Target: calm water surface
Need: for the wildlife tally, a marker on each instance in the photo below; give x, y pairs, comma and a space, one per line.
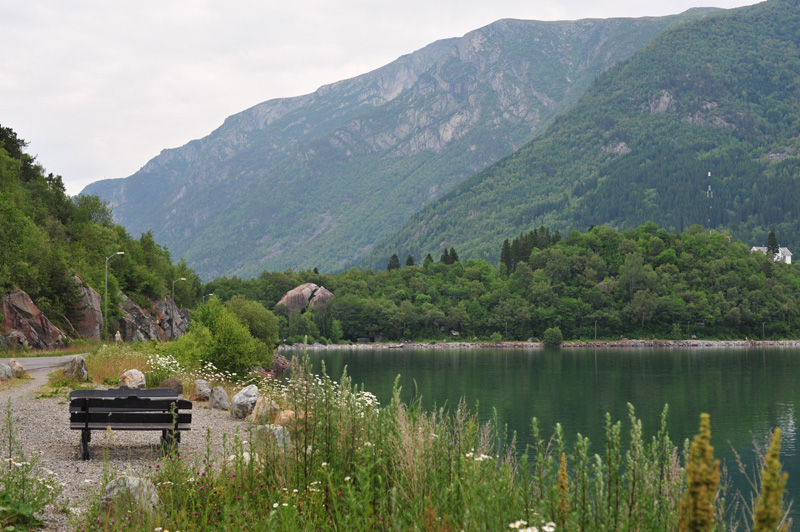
747, 392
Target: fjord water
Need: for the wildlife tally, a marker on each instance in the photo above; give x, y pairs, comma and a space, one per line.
747, 392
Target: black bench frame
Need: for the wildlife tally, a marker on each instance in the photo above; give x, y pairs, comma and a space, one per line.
129, 409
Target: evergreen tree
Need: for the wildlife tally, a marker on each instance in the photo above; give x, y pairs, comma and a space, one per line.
445, 258
505, 255
453, 256
428, 261
394, 262
410, 260
772, 245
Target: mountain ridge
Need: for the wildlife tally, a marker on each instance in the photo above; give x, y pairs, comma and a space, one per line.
714, 96
317, 180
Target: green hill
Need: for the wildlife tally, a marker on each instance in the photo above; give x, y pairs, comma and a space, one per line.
713, 102
46, 239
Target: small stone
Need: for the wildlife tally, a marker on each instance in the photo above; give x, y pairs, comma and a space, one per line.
285, 417
265, 411
173, 384
134, 489
5, 372
201, 391
218, 399
17, 369
244, 401
133, 378
77, 369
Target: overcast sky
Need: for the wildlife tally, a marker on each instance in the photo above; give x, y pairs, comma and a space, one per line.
100, 87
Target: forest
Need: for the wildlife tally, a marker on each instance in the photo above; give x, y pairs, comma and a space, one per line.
604, 283
48, 238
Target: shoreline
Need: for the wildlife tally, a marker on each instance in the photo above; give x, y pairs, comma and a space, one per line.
595, 344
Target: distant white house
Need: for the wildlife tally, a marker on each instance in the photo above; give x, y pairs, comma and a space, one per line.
783, 254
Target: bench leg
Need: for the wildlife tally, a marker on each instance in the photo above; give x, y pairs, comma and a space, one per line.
170, 439
86, 436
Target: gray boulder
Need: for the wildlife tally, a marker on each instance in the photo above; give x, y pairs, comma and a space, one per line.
133, 378
5, 372
218, 400
134, 489
77, 369
281, 435
244, 402
201, 391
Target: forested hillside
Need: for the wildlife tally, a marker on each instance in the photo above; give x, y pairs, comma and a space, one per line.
46, 239
712, 103
318, 180
643, 282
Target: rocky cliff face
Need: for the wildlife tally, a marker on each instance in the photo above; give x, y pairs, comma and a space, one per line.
90, 309
24, 325
318, 180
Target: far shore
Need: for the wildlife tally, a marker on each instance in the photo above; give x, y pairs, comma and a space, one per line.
594, 344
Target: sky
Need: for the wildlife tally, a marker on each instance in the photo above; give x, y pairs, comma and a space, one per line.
98, 88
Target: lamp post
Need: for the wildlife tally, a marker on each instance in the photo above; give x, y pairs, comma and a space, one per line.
205, 296
105, 314
173, 287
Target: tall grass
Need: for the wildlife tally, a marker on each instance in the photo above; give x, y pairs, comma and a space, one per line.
356, 465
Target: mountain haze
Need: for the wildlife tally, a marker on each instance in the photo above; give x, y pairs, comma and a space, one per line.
318, 180
718, 96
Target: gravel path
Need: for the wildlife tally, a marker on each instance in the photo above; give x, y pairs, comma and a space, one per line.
42, 426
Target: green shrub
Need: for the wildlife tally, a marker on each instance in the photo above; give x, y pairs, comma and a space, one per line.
552, 337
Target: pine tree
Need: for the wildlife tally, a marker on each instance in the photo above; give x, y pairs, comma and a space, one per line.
505, 255
410, 260
772, 245
453, 256
445, 258
394, 262
428, 261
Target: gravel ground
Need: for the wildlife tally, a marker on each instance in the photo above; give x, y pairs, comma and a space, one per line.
42, 426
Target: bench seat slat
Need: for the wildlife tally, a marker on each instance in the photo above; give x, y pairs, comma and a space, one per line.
129, 417
129, 426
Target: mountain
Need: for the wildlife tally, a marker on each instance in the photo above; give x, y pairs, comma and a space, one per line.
318, 180
701, 126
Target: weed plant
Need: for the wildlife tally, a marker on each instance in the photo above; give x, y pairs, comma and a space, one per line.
353, 464
26, 488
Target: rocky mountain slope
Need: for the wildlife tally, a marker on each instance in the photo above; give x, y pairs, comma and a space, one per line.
699, 127
318, 180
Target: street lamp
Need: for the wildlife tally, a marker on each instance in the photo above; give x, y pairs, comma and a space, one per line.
205, 296
173, 287
105, 316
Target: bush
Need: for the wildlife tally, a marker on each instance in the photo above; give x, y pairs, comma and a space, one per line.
552, 337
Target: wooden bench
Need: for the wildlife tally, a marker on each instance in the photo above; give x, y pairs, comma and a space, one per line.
129, 409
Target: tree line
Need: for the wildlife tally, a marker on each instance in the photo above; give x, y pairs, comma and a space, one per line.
603, 283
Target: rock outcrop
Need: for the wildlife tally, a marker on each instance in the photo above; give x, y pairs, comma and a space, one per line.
137, 324
89, 320
24, 324
305, 296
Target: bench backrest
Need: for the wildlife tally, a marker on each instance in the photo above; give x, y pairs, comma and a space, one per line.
123, 391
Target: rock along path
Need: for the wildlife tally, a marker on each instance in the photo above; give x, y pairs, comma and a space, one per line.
42, 427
